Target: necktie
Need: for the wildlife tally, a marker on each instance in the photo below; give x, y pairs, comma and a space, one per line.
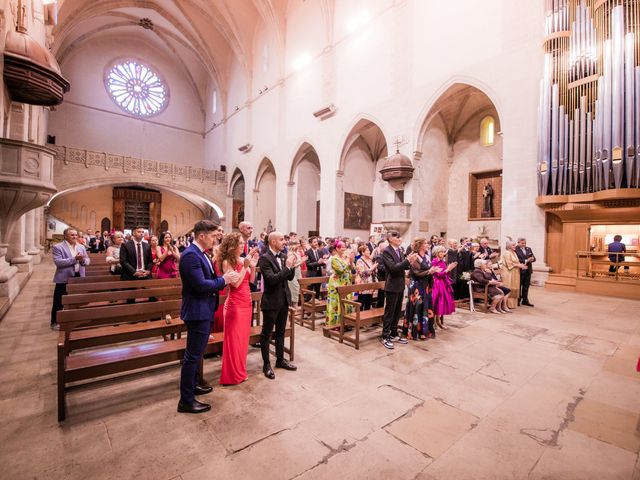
139, 252
398, 253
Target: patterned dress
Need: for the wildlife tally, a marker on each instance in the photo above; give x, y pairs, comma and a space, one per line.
419, 311
340, 276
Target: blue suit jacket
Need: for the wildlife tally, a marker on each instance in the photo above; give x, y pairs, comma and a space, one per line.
200, 286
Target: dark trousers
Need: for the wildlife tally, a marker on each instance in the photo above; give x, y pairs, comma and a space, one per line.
197, 338
58, 292
271, 319
525, 281
392, 312
365, 300
380, 300
612, 268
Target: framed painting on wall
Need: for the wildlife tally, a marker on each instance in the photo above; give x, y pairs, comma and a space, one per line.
358, 211
238, 213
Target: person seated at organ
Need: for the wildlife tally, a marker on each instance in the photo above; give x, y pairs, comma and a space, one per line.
483, 275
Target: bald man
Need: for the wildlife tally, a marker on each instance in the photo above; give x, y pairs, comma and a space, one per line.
277, 269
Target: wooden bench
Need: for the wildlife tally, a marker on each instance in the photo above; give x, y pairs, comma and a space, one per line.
88, 287
313, 305
474, 295
89, 364
105, 298
104, 277
351, 315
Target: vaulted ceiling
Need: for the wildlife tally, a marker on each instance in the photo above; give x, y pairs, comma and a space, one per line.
206, 37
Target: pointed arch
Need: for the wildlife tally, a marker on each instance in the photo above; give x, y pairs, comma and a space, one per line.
304, 152
367, 130
265, 167
430, 109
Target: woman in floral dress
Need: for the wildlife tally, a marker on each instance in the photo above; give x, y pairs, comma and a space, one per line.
341, 268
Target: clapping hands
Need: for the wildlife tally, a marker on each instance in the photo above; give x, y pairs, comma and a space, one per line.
231, 277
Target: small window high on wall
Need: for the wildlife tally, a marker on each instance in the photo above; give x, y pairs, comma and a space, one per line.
487, 131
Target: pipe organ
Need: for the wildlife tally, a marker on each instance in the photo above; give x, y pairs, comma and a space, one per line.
589, 112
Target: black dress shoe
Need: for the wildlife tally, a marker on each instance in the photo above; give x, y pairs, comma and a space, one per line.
286, 365
526, 302
268, 372
203, 389
193, 407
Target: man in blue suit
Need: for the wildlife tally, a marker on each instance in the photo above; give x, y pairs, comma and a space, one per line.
200, 287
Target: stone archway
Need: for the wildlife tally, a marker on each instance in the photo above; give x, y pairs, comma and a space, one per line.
265, 197
358, 179
304, 191
455, 164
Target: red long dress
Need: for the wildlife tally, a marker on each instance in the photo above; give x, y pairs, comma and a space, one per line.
237, 330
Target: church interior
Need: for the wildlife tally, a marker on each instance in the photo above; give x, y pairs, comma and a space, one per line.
354, 122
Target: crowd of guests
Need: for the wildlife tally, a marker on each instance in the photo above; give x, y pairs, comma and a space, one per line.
421, 282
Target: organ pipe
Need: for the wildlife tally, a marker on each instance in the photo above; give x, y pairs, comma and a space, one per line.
589, 111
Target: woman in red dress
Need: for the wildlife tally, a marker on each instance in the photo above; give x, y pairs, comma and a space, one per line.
237, 308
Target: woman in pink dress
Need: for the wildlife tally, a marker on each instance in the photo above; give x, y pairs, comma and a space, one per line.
237, 308
167, 256
442, 293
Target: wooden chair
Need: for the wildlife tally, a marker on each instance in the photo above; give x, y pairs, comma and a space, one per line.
352, 316
474, 295
309, 308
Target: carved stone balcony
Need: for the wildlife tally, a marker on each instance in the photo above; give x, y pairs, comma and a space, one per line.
397, 216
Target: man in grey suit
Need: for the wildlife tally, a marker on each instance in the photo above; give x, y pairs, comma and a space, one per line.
70, 258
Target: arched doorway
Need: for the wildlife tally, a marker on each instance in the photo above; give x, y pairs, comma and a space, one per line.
461, 145
237, 187
265, 197
105, 225
304, 180
361, 192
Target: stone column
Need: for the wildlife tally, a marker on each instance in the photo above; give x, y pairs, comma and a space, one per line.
31, 241
17, 252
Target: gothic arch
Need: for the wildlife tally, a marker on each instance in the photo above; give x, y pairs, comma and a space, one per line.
366, 130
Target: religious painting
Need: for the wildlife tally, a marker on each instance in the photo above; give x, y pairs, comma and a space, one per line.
238, 213
358, 211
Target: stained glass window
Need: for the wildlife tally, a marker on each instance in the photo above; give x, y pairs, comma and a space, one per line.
137, 88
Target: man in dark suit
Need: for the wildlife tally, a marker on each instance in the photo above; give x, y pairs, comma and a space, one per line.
315, 262
276, 270
526, 257
200, 287
395, 265
135, 257
371, 244
486, 251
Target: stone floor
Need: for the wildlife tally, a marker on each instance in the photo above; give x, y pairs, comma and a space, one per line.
546, 393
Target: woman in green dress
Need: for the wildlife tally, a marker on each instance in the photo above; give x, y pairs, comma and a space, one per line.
342, 266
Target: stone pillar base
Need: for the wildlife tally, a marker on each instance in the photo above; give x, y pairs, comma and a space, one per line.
36, 256
540, 274
9, 283
24, 263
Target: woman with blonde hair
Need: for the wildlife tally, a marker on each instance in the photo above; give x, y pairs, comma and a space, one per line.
510, 272
365, 273
237, 308
419, 311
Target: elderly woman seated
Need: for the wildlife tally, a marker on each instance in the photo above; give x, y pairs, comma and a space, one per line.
483, 275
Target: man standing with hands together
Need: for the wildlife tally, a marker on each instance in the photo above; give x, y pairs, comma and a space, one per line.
395, 265
276, 271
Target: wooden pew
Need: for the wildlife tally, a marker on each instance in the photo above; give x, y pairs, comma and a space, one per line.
74, 366
105, 277
107, 298
117, 284
313, 305
354, 317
